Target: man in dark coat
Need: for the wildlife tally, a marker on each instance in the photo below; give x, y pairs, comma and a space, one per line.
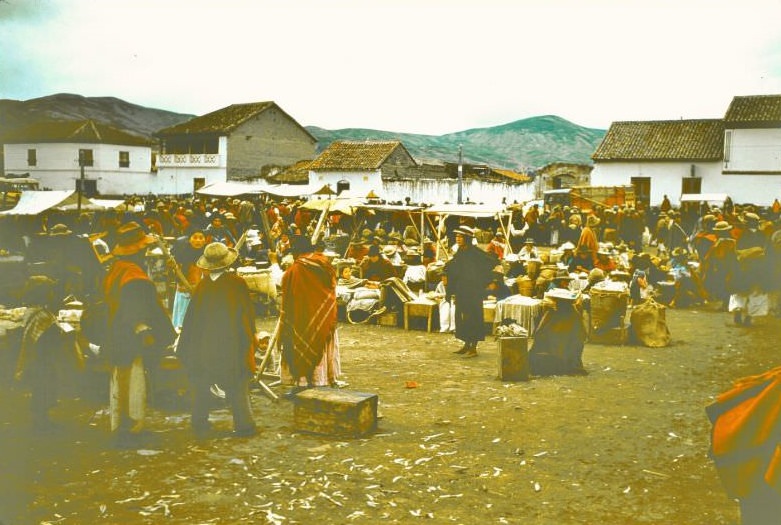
468, 275
217, 344
138, 328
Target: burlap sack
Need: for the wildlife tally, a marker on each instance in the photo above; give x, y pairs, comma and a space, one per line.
649, 324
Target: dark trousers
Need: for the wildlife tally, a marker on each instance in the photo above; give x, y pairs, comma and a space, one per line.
237, 396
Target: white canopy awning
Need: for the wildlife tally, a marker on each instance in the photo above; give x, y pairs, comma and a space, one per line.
35, 202
465, 210
228, 189
703, 197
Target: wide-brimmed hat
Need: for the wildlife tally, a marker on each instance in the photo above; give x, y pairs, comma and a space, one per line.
38, 288
722, 226
59, 229
131, 238
464, 230
596, 275
388, 250
216, 256
567, 246
592, 220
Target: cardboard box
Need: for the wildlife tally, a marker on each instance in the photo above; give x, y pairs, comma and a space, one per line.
335, 412
513, 358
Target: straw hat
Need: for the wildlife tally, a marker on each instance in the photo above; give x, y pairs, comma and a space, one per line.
216, 256
131, 239
722, 226
388, 250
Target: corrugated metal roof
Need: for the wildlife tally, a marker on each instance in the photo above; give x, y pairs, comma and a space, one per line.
81, 132
666, 140
351, 155
757, 108
223, 120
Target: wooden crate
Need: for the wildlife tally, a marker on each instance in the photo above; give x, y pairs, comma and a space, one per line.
513, 358
388, 319
334, 412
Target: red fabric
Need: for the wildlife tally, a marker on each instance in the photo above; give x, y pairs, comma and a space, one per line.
308, 313
120, 273
745, 437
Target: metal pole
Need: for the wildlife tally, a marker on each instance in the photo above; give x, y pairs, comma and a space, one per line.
80, 185
460, 173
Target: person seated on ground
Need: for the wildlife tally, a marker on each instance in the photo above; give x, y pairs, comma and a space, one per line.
415, 273
562, 279
393, 254
376, 268
639, 288
582, 260
567, 253
497, 288
528, 251
497, 245
605, 261
687, 292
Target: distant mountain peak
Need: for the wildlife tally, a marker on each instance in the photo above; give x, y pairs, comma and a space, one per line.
518, 145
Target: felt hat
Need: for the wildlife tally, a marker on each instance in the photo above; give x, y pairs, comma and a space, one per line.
722, 226
37, 289
562, 275
464, 230
216, 256
592, 220
388, 250
567, 246
596, 275
59, 229
131, 239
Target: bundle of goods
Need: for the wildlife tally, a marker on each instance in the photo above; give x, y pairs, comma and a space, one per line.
609, 300
649, 324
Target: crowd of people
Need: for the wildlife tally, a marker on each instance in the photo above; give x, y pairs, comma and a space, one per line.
205, 311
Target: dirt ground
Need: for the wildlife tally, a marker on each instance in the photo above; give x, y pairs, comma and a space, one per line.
628, 443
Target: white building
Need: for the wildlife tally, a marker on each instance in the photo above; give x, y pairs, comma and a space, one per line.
238, 142
739, 155
114, 162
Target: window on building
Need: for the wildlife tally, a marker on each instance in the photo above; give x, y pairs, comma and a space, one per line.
727, 145
32, 157
85, 157
124, 159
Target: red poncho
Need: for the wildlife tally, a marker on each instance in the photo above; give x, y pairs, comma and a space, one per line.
308, 313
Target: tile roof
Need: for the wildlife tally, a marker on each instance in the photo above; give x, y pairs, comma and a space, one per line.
758, 108
81, 132
223, 120
519, 177
666, 140
298, 173
354, 155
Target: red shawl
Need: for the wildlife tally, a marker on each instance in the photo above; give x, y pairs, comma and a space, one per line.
308, 313
747, 433
120, 273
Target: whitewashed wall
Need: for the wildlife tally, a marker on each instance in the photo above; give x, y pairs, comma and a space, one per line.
666, 180
361, 182
437, 191
753, 150
57, 166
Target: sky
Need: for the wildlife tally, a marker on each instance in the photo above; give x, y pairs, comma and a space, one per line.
412, 66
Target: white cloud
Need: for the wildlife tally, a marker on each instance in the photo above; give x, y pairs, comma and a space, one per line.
425, 66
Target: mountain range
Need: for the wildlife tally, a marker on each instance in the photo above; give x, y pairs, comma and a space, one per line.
522, 145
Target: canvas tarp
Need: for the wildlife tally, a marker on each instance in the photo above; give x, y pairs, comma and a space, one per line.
35, 202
